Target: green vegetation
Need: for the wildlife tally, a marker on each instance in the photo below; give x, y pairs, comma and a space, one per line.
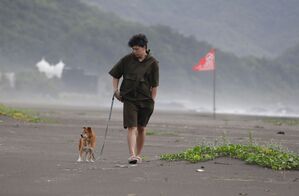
282, 121
24, 115
271, 155
264, 156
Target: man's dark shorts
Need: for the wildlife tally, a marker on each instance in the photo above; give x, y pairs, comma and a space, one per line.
136, 115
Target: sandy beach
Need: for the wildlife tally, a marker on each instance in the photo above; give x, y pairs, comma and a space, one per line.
40, 158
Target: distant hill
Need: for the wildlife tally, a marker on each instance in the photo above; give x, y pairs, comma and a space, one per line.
259, 28
87, 38
79, 35
290, 56
58, 30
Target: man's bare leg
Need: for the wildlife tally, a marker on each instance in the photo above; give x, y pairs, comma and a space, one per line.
140, 140
132, 132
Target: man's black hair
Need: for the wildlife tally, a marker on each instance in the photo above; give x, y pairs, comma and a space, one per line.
138, 40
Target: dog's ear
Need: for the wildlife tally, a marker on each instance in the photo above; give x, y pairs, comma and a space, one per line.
89, 129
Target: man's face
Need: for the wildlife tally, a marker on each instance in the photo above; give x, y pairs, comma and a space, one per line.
139, 51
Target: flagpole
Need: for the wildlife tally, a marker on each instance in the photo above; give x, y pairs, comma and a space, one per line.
214, 90
208, 63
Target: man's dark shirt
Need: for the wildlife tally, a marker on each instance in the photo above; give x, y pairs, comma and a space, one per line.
138, 78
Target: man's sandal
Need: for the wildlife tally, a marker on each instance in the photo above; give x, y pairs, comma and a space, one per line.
132, 160
139, 159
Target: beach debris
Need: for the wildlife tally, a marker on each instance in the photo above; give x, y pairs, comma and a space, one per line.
243, 194
200, 170
281, 132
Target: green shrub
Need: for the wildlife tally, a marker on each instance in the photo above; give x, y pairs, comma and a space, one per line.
251, 154
19, 114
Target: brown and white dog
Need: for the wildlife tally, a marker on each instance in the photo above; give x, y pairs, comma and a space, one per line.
87, 144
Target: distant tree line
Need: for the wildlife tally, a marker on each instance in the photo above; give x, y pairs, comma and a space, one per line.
85, 37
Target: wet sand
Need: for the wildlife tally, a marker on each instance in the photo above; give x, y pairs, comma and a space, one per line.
40, 158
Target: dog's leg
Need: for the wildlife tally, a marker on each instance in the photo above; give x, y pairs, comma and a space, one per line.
87, 154
80, 156
86, 157
92, 156
80, 150
79, 159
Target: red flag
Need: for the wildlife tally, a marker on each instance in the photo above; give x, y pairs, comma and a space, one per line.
206, 63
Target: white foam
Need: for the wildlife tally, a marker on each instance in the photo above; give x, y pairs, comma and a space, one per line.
50, 70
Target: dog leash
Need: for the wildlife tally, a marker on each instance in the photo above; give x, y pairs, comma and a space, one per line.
102, 149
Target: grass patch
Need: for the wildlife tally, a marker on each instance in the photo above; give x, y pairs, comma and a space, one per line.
271, 156
259, 155
23, 115
282, 121
160, 133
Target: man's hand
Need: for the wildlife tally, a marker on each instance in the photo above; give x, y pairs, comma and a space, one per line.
118, 96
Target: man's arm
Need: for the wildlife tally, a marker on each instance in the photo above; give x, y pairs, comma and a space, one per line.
115, 82
154, 92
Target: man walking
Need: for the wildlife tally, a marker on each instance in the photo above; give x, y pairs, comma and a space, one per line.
140, 72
